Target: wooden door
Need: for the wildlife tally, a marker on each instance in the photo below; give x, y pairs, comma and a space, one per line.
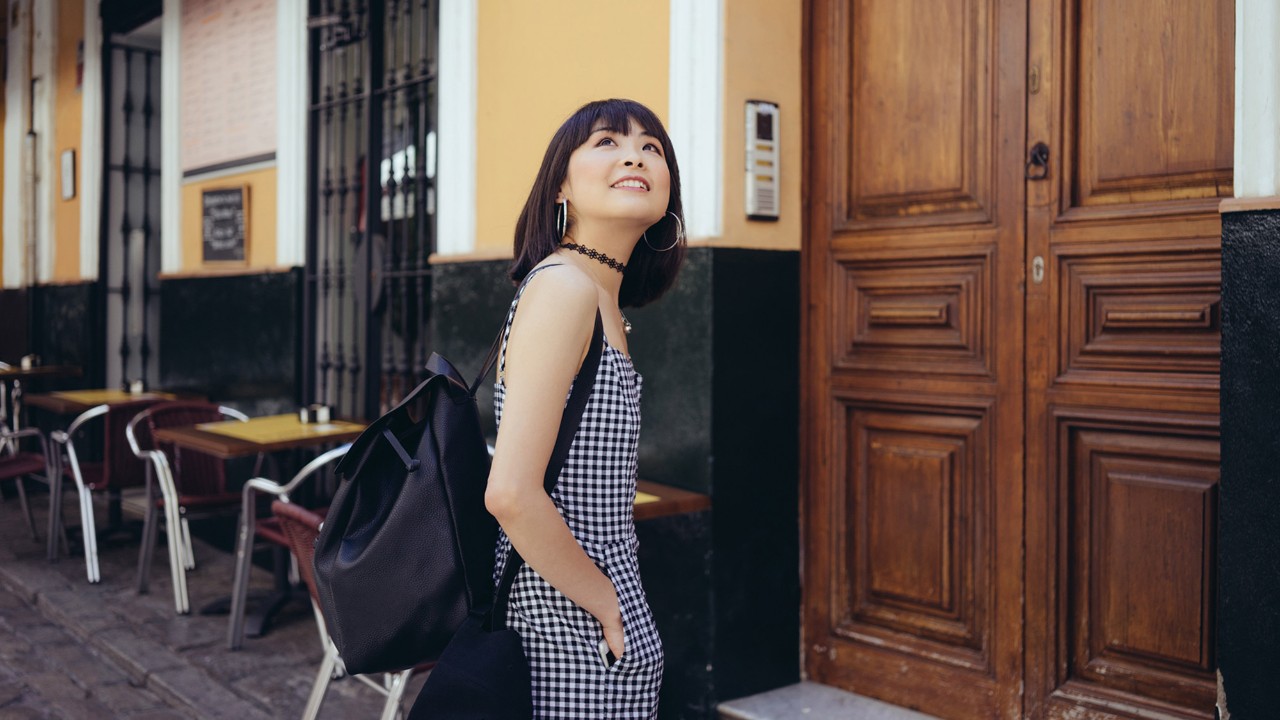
1010, 406
1135, 102
913, 370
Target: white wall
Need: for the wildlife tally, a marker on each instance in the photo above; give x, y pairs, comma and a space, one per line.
1257, 131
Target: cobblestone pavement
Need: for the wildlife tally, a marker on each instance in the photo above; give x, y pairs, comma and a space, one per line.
45, 672
71, 649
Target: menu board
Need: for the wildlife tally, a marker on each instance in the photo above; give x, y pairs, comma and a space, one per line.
228, 82
223, 220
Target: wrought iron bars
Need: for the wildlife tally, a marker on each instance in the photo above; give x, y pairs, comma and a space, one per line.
372, 200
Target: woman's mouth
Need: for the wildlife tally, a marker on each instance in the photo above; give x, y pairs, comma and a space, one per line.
631, 183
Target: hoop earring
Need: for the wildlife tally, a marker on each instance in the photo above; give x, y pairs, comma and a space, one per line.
562, 216
679, 235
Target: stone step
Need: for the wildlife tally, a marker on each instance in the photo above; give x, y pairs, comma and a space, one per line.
811, 701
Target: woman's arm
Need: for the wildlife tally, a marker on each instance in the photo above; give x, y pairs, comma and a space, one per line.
547, 343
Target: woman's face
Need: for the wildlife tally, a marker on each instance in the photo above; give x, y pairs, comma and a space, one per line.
618, 174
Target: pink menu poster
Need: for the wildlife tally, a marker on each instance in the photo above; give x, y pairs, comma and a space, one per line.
228, 81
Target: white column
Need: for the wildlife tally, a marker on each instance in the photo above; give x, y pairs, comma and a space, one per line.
17, 98
456, 149
1257, 130
44, 71
291, 132
170, 138
89, 161
696, 109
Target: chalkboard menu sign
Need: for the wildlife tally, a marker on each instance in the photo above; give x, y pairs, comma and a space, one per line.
225, 221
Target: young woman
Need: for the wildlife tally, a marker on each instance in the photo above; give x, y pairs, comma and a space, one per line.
601, 230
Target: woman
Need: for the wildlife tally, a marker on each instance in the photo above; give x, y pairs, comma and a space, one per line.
601, 230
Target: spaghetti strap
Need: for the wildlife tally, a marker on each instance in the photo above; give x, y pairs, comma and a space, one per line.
511, 314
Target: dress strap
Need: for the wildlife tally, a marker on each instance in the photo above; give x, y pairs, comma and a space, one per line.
511, 314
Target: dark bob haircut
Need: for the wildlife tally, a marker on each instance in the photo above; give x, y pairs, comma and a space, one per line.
649, 274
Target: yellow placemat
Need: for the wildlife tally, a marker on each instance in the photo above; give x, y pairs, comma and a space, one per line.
277, 428
644, 497
99, 397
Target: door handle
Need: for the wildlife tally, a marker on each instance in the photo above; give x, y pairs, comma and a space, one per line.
1038, 162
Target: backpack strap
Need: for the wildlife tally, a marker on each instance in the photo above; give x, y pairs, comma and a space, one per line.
569, 423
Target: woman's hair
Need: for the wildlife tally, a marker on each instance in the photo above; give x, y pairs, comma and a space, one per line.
649, 274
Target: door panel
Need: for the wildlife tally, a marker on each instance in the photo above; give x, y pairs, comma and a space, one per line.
1123, 354
1146, 130
913, 520
920, 137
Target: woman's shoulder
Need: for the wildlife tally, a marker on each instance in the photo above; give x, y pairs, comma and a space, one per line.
562, 285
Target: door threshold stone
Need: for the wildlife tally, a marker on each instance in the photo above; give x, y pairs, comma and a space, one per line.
812, 701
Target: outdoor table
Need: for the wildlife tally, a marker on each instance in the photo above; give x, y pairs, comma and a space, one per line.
74, 402
654, 500
11, 378
272, 433
233, 439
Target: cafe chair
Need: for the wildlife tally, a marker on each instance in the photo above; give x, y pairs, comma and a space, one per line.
181, 484
119, 468
267, 529
17, 465
301, 527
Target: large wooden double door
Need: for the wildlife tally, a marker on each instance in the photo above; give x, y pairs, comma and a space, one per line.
1011, 352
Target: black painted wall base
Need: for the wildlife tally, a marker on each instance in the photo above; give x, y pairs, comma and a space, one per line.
234, 339
63, 324
1248, 641
720, 358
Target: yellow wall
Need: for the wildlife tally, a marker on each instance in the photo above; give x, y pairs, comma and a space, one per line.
762, 62
261, 243
537, 62
66, 135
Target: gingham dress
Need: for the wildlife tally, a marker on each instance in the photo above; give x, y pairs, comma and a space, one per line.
594, 494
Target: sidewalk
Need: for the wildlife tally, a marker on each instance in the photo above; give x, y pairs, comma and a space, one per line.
179, 665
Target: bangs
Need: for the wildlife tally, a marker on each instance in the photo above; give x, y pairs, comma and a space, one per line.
617, 115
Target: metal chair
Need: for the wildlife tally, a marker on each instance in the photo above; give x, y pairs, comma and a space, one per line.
118, 469
301, 526
189, 482
17, 465
268, 529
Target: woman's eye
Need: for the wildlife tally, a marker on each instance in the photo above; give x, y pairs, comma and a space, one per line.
604, 140
654, 148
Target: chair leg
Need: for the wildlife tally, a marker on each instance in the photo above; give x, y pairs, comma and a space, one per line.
147, 552
90, 539
57, 528
323, 676
240, 585
396, 683
189, 555
26, 507
177, 569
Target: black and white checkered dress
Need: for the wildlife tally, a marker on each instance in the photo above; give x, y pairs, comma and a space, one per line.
594, 494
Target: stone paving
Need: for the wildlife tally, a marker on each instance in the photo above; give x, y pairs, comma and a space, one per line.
71, 649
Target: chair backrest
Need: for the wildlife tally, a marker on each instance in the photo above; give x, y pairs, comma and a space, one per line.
300, 526
121, 468
194, 473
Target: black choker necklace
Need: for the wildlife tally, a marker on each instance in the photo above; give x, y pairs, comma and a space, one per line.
596, 255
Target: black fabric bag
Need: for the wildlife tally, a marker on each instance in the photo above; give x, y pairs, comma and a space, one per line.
407, 547
406, 551
483, 673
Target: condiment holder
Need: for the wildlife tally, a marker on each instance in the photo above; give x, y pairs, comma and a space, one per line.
314, 414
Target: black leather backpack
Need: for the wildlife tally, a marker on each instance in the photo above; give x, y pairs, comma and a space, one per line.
407, 549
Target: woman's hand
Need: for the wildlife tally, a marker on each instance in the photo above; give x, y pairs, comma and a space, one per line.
613, 632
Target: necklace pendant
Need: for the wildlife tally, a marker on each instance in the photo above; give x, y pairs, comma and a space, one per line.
626, 325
